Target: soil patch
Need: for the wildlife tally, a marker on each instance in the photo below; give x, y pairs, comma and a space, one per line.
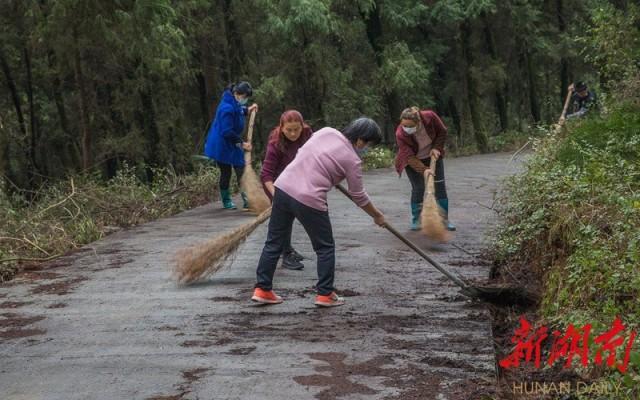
14, 304
337, 383
241, 351
60, 288
223, 298
33, 276
12, 326
57, 305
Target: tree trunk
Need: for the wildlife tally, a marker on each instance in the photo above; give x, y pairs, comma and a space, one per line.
501, 104
83, 105
11, 84
373, 24
235, 49
533, 92
57, 96
564, 63
455, 115
33, 118
478, 131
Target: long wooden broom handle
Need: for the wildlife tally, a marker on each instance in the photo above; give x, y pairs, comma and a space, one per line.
415, 248
252, 120
432, 177
566, 107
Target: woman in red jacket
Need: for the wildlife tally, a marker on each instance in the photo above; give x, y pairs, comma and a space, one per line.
284, 142
421, 136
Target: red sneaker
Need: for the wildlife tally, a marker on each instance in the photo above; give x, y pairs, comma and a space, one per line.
266, 296
330, 300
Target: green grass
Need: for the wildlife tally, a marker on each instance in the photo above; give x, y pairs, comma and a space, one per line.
572, 220
80, 210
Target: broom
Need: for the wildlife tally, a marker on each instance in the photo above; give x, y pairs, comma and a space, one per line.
556, 128
199, 261
431, 216
249, 183
499, 295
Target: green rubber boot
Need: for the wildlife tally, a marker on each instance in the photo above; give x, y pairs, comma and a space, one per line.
245, 200
227, 203
444, 205
416, 209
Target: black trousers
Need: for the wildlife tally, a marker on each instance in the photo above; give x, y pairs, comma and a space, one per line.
317, 225
417, 181
225, 174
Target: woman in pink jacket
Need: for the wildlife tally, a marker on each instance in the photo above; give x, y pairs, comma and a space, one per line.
284, 142
301, 193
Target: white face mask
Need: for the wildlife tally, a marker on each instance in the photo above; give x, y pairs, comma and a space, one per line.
409, 131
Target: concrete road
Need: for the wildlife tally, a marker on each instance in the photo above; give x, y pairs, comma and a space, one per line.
108, 323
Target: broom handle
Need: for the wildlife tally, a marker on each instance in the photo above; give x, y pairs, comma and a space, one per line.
415, 248
566, 107
252, 120
431, 177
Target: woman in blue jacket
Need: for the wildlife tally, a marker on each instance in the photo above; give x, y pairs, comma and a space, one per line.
224, 141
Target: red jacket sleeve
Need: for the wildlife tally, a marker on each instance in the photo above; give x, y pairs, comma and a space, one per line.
438, 128
270, 163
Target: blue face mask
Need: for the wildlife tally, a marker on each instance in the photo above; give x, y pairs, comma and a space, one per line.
363, 151
243, 101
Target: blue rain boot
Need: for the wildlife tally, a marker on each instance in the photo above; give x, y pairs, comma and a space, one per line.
227, 203
416, 209
245, 201
444, 205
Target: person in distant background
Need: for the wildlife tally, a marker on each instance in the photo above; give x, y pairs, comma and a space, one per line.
583, 100
224, 142
284, 142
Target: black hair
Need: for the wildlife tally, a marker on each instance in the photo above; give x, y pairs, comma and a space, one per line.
242, 87
580, 86
363, 128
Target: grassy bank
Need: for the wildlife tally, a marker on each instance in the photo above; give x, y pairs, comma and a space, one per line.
82, 209
572, 230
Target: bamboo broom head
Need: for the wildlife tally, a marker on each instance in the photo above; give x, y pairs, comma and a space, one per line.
431, 217
432, 221
251, 185
199, 261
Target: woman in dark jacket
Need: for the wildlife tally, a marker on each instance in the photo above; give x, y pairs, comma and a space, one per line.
224, 142
284, 142
421, 136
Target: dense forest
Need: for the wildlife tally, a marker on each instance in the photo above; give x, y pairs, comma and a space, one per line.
90, 85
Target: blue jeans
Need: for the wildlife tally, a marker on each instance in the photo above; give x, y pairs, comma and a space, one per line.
317, 225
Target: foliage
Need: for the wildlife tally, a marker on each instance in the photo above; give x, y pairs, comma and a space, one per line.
94, 85
83, 209
572, 219
613, 41
378, 157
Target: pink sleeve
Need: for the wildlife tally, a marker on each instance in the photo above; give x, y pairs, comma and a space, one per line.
356, 186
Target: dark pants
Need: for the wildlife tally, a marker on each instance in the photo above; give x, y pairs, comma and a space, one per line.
225, 174
317, 225
287, 246
417, 181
